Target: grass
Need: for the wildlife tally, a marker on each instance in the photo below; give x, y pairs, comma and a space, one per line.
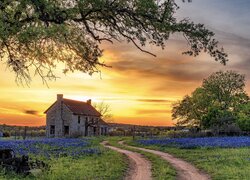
109, 165
161, 170
220, 163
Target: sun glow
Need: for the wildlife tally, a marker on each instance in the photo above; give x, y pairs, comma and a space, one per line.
139, 88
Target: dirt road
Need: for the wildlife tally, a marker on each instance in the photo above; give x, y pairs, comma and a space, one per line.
185, 171
139, 167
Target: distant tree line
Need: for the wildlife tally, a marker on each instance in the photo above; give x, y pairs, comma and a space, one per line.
219, 104
22, 132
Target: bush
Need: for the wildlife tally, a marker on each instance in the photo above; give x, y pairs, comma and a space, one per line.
186, 133
244, 123
6, 134
243, 117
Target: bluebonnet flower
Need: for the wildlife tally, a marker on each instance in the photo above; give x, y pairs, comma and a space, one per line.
48, 148
223, 142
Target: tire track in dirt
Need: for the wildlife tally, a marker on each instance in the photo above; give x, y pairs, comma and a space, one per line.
185, 170
139, 167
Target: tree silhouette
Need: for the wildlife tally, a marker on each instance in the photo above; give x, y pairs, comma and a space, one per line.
40, 33
104, 110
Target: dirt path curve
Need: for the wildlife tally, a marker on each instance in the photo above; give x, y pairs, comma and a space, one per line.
139, 167
185, 171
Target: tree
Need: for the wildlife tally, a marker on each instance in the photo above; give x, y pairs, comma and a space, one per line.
191, 109
39, 33
104, 110
216, 103
243, 117
182, 112
93, 122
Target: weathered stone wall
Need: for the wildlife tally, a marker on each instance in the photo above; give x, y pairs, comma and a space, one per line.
78, 129
58, 115
58, 120
66, 115
50, 120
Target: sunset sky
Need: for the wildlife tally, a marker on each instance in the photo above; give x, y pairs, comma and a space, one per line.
139, 88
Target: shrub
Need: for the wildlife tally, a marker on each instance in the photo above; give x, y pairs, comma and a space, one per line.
6, 134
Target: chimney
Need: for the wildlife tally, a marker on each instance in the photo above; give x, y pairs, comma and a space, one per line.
89, 101
59, 97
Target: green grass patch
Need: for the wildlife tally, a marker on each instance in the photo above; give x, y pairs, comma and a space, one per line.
109, 165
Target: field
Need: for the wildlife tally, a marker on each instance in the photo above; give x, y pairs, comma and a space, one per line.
84, 158
221, 157
68, 159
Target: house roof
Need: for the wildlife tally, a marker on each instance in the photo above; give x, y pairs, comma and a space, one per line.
79, 107
102, 122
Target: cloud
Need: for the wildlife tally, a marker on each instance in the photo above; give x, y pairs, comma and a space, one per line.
31, 112
152, 111
144, 100
154, 100
176, 72
173, 73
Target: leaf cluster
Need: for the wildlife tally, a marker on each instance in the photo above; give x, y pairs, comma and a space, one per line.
40, 34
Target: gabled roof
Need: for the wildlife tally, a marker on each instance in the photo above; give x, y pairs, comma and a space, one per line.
79, 107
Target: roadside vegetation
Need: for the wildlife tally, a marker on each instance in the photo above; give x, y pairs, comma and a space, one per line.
68, 159
222, 158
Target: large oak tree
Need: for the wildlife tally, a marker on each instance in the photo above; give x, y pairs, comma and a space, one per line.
41, 33
217, 102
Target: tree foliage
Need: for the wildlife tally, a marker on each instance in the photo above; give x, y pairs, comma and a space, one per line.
40, 33
191, 109
243, 117
216, 103
216, 118
226, 89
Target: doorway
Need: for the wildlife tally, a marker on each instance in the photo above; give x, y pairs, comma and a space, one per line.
66, 130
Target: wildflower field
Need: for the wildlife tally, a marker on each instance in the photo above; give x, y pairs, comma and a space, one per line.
204, 142
48, 148
221, 157
71, 158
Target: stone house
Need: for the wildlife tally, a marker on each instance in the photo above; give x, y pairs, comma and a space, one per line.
71, 118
